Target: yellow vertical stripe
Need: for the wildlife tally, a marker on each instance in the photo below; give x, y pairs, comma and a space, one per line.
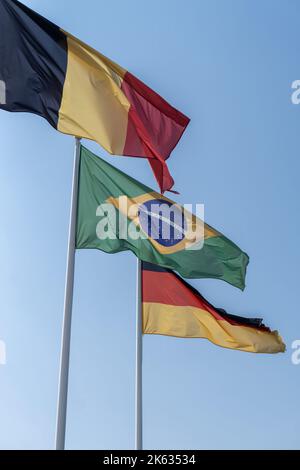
93, 105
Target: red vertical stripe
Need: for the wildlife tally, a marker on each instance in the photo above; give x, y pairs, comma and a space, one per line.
154, 128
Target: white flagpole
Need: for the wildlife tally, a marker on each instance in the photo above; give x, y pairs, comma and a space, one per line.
139, 359
67, 319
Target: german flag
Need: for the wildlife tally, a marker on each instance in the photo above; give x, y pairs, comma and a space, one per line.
172, 307
47, 71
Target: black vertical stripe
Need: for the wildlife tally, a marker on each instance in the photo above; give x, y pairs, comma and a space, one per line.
33, 61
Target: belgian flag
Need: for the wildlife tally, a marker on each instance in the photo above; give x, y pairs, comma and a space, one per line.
172, 307
46, 71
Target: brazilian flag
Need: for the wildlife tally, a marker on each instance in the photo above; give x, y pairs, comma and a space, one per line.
118, 213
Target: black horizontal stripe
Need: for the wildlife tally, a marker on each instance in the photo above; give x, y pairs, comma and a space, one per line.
33, 61
254, 322
154, 267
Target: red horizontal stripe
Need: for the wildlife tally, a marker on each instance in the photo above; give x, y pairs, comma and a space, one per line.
165, 288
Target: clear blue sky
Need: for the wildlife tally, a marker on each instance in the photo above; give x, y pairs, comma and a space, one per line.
229, 66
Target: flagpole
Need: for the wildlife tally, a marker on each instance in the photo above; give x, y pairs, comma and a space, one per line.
139, 359
67, 318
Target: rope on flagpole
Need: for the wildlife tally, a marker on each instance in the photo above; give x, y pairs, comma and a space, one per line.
67, 318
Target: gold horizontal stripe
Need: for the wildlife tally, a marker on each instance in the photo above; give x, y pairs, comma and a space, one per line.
191, 322
93, 105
